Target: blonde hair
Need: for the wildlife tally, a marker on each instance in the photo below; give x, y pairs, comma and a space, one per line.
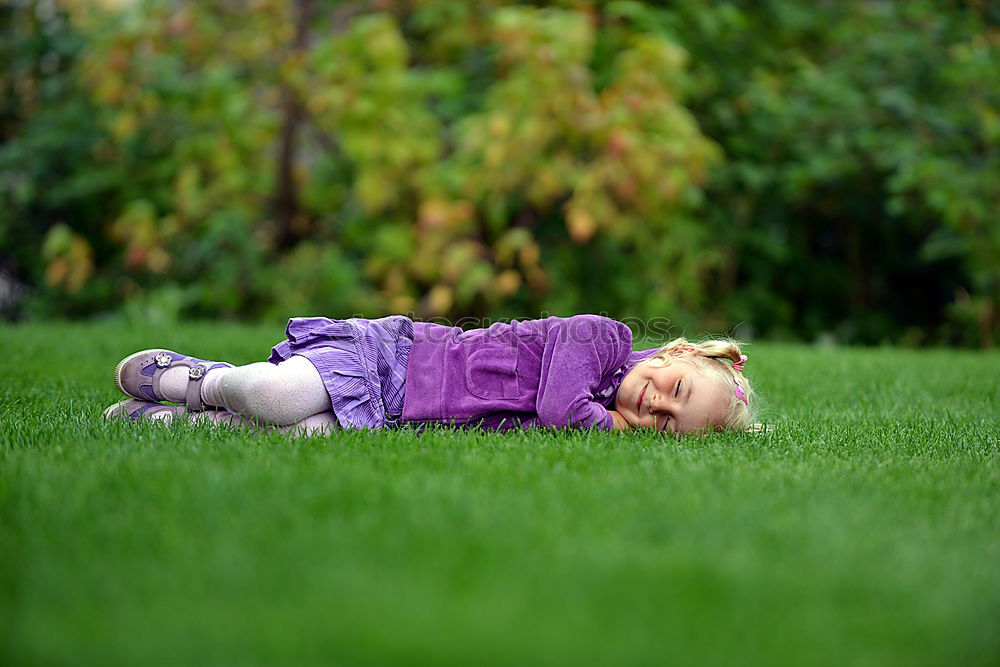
709, 357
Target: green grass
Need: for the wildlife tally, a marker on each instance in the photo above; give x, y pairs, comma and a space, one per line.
863, 530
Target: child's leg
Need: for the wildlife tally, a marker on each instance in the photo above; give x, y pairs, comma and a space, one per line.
322, 423
280, 394
134, 409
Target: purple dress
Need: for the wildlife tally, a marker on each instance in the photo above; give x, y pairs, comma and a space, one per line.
362, 363
557, 372
580, 361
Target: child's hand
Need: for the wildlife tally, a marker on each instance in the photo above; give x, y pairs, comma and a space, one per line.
621, 424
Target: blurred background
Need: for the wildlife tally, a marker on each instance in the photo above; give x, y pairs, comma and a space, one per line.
781, 169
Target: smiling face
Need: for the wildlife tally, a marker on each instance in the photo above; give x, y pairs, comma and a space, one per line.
675, 398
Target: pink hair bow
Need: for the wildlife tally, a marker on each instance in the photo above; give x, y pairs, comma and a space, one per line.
738, 365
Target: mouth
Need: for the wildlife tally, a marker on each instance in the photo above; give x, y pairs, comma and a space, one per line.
638, 404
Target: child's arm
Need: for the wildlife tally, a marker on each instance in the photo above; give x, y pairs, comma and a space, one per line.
576, 357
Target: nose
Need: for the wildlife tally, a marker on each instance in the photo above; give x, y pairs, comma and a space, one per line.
659, 404
662, 407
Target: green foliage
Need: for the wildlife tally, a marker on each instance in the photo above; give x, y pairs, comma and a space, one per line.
861, 145
803, 168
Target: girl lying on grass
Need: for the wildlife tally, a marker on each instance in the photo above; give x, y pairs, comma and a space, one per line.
574, 372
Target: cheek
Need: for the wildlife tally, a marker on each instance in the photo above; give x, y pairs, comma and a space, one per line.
626, 389
620, 397
717, 413
663, 378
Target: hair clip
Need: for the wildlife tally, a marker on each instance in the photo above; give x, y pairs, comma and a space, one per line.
740, 394
738, 365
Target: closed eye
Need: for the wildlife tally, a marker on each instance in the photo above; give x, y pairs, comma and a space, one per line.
677, 388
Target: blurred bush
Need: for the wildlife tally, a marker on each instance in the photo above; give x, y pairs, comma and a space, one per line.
806, 168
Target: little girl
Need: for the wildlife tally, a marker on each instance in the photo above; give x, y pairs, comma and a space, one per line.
574, 372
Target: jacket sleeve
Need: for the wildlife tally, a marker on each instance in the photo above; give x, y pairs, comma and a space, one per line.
579, 351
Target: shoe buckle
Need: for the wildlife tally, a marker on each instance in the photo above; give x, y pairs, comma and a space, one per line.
197, 371
163, 360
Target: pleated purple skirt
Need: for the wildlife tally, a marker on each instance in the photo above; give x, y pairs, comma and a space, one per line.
362, 363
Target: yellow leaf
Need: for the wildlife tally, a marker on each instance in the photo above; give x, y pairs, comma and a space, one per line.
440, 299
508, 282
124, 125
581, 225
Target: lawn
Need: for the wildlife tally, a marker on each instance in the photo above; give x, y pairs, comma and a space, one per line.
861, 530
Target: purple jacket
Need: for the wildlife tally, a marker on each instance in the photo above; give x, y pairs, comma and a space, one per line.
556, 373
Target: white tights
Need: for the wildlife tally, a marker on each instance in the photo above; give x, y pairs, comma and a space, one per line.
282, 394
